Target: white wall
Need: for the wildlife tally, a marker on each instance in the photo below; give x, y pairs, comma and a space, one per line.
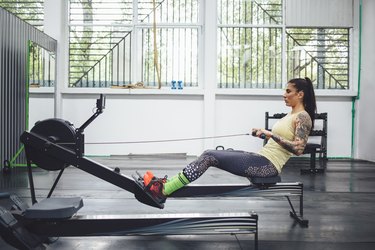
163, 114
316, 13
41, 107
365, 134
129, 118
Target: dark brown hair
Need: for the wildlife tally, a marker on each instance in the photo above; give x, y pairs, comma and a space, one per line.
309, 102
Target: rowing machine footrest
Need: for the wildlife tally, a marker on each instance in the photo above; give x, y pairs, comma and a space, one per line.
263, 181
143, 196
54, 208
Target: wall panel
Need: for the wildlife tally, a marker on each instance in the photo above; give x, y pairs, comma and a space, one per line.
14, 38
319, 13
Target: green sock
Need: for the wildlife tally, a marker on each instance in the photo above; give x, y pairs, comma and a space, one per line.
175, 183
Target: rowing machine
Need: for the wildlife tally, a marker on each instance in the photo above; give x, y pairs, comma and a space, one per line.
54, 144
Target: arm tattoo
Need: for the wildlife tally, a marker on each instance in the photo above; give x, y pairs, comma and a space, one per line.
301, 135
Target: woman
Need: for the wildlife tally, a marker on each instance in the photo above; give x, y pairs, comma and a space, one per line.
289, 136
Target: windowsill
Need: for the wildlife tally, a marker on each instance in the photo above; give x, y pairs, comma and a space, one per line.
257, 92
135, 91
42, 90
280, 92
189, 91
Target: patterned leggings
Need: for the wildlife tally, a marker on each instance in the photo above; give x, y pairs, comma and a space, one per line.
234, 161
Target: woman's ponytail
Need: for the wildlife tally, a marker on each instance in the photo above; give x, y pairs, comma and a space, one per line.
309, 101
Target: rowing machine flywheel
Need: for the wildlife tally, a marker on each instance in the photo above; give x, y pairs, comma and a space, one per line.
56, 131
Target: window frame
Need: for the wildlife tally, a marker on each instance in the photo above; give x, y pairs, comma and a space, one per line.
202, 85
136, 41
284, 57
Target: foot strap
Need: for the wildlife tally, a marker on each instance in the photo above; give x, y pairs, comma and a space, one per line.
143, 193
157, 181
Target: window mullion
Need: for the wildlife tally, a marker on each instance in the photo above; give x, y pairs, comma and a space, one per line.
136, 46
283, 49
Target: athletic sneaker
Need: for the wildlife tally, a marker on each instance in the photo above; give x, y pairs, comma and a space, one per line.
147, 178
155, 186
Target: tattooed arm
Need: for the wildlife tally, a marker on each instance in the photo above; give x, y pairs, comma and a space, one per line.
301, 134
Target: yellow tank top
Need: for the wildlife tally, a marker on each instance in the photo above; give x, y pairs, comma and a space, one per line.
272, 150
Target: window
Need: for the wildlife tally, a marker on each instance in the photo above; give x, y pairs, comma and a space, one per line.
31, 12
112, 43
99, 56
41, 68
249, 44
251, 35
321, 54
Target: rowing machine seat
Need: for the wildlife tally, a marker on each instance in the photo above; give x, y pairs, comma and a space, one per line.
54, 208
264, 181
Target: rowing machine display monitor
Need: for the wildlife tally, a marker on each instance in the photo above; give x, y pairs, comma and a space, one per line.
100, 103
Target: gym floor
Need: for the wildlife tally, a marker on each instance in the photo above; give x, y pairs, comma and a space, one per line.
339, 205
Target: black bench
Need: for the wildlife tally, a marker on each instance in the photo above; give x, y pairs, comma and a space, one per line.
311, 148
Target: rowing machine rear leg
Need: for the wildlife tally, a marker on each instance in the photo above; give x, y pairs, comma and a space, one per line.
266, 182
298, 217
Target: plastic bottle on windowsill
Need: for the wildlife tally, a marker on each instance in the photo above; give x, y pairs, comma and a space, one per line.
173, 84
180, 85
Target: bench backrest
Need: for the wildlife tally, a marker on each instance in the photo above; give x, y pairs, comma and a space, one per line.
320, 130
